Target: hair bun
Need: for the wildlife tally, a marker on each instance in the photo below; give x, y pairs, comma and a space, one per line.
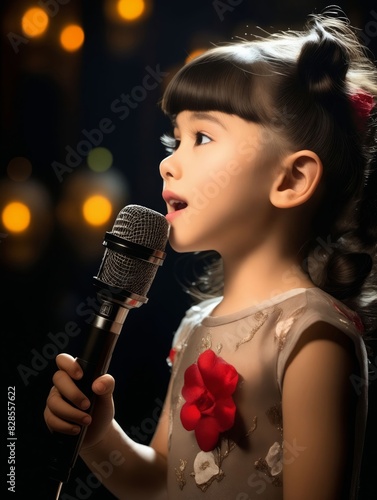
323, 62
346, 273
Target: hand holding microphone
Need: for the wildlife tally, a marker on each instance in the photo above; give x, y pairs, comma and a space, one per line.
134, 251
66, 398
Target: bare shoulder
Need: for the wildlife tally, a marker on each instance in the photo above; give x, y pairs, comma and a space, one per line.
323, 342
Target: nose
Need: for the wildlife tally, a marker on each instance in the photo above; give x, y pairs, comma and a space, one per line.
169, 168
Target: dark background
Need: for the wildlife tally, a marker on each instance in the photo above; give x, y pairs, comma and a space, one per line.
48, 98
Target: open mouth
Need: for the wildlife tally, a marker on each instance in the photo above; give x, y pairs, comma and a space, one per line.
174, 202
177, 204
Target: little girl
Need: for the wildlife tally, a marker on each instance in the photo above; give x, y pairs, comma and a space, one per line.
273, 169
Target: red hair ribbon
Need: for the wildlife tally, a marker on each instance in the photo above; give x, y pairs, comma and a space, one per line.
362, 103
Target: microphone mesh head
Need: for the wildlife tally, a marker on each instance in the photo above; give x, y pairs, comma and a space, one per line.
145, 227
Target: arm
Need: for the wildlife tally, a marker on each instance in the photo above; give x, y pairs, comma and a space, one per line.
138, 471
318, 416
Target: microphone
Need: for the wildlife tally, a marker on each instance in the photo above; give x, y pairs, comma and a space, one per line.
134, 251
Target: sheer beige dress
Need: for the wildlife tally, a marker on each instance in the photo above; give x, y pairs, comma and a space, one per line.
247, 462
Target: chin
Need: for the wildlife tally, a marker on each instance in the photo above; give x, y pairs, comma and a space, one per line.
182, 245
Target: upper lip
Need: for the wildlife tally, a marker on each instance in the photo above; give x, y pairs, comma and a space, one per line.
173, 200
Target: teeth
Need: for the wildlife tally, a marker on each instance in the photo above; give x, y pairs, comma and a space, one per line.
177, 204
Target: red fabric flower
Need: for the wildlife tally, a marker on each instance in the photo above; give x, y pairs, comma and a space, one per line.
209, 408
362, 103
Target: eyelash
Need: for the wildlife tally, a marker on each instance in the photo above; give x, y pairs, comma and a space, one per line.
171, 144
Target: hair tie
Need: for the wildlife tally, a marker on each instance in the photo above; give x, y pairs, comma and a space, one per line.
362, 103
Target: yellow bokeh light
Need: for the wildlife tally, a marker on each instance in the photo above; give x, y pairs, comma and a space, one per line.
34, 22
16, 217
97, 210
131, 9
72, 37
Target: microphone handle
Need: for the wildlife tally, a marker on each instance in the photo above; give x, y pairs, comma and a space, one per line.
94, 362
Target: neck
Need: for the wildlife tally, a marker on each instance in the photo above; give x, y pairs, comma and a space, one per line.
259, 276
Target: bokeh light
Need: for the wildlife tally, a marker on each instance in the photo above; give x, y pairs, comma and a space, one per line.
19, 169
88, 203
26, 218
34, 22
72, 37
131, 10
99, 159
97, 210
16, 217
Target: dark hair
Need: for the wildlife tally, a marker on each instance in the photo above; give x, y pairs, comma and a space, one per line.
299, 86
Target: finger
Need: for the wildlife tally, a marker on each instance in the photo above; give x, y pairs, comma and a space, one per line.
69, 390
55, 424
68, 364
64, 411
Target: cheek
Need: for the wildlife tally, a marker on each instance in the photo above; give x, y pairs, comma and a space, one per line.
234, 185
219, 176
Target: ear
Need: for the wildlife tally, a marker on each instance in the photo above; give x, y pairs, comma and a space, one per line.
297, 179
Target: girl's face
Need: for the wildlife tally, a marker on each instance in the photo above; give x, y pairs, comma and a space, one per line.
217, 183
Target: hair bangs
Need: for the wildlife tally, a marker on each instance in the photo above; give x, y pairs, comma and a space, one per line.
218, 80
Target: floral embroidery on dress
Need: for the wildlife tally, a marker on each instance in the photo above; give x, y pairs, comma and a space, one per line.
206, 342
260, 317
274, 459
176, 403
207, 464
206, 469
253, 427
283, 327
272, 465
275, 416
180, 473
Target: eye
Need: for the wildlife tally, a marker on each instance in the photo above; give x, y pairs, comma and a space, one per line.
201, 139
170, 143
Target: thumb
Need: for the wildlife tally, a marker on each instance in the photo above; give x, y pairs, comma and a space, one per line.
104, 386
103, 412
